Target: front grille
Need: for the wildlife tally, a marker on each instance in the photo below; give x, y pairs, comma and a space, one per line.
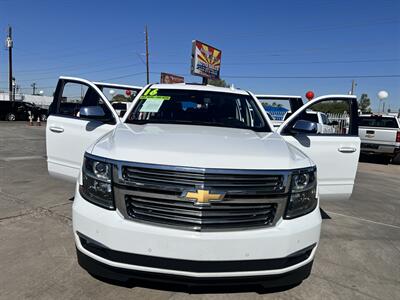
157, 195
190, 177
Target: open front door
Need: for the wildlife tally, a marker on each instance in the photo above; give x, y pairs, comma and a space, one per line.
70, 131
326, 130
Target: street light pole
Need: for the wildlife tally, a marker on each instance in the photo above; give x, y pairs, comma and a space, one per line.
353, 86
147, 56
33, 85
9, 44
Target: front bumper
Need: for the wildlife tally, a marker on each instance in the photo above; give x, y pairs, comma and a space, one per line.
106, 271
129, 248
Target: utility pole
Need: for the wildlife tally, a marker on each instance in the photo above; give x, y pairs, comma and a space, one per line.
353, 87
147, 56
33, 85
9, 45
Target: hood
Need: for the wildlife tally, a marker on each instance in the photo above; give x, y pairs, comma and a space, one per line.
199, 146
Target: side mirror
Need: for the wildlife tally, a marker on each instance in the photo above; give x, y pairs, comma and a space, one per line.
303, 126
92, 112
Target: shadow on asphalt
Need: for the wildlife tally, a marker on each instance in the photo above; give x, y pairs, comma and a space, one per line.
324, 215
374, 159
182, 288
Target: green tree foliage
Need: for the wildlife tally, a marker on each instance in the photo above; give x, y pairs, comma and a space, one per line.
334, 107
276, 104
364, 103
121, 98
218, 82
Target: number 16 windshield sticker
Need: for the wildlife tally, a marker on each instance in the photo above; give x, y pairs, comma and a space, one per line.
153, 95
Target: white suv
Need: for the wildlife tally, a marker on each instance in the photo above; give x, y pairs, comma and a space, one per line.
194, 185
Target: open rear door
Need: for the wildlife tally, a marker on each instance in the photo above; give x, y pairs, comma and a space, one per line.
335, 151
68, 133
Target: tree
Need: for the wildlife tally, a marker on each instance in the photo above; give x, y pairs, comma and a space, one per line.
218, 82
121, 98
364, 103
276, 104
333, 107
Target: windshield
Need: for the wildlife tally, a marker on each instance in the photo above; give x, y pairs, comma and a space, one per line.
198, 108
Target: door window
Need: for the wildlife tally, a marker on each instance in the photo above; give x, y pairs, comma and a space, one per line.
337, 117
71, 99
75, 95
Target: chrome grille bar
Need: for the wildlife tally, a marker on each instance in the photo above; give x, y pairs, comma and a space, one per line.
140, 175
156, 195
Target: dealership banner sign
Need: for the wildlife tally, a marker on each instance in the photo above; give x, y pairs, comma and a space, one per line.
171, 78
206, 60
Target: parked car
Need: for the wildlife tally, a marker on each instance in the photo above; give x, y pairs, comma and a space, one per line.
14, 110
380, 135
194, 185
42, 113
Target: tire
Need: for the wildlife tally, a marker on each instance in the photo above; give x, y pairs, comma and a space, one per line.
386, 159
396, 159
43, 117
10, 117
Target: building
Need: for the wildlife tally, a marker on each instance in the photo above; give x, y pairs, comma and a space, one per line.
39, 100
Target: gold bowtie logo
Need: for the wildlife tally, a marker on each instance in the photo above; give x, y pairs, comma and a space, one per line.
203, 196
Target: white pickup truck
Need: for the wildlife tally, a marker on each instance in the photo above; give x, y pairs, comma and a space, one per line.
193, 184
380, 135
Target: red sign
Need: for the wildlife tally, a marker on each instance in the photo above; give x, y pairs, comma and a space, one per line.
171, 78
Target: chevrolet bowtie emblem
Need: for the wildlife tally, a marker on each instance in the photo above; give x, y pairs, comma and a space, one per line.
203, 196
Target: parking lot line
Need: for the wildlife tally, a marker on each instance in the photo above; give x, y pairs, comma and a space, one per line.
16, 158
362, 219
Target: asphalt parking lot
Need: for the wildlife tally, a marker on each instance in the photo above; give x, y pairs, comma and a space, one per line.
358, 256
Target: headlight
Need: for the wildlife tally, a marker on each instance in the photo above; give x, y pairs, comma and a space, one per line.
303, 198
97, 183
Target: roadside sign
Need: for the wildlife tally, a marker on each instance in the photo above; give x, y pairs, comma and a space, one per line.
171, 78
206, 60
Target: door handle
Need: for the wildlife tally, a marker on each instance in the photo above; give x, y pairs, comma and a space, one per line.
57, 129
347, 149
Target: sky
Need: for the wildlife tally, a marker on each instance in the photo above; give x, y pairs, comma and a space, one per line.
269, 47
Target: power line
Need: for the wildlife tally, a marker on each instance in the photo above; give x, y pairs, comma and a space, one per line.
365, 23
269, 76
83, 73
226, 63
74, 66
294, 63
75, 53
304, 76
313, 77
125, 76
